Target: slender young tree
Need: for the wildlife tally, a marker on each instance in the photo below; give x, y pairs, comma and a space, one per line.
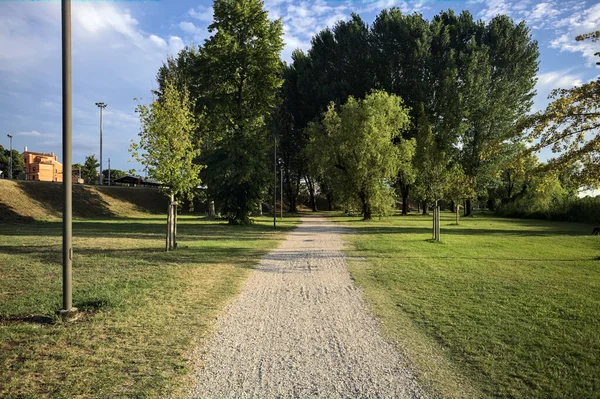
166, 148
241, 63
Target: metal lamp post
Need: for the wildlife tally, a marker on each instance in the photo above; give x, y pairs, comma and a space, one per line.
68, 310
10, 160
101, 106
274, 181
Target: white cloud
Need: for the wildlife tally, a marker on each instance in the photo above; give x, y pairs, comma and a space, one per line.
204, 14
32, 133
558, 79
548, 81
578, 23
197, 33
495, 7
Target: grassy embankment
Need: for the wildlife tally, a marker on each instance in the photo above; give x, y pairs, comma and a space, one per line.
500, 308
145, 310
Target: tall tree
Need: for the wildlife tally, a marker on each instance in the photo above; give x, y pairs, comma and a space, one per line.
241, 64
166, 148
497, 70
361, 147
431, 162
89, 170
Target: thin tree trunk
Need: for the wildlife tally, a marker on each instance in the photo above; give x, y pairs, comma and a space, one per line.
424, 208
468, 209
311, 190
211, 208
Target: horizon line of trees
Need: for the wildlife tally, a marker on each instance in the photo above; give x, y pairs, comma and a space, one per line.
443, 104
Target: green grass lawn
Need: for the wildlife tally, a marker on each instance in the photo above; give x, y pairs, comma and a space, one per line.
500, 308
145, 310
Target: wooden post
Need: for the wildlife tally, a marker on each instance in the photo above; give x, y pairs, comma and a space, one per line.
175, 225
457, 213
438, 223
171, 225
167, 237
434, 229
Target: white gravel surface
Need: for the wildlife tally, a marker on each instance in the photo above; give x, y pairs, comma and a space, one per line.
300, 329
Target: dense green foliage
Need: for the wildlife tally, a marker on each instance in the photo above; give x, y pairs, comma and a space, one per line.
114, 173
465, 83
166, 148
18, 164
359, 147
89, 169
233, 80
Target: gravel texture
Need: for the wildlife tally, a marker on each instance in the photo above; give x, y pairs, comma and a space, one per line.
300, 329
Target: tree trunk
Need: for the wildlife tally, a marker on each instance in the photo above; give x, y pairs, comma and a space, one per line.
424, 203
367, 211
452, 206
404, 190
329, 202
311, 190
468, 209
241, 218
211, 208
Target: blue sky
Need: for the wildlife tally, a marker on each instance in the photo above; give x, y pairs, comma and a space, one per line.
119, 45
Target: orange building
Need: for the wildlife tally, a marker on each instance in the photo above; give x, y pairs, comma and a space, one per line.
42, 167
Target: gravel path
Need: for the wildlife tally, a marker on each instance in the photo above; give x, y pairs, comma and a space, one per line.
300, 328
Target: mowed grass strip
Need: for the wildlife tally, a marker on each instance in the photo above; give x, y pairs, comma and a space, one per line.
500, 308
145, 310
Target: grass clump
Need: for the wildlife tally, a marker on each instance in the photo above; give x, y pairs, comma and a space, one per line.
503, 308
144, 311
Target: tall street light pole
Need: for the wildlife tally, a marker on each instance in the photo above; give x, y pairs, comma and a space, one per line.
10, 160
101, 106
68, 310
109, 171
281, 190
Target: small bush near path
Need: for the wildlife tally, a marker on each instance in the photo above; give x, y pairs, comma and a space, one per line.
144, 310
508, 307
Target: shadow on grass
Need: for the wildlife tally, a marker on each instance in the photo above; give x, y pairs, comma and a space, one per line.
184, 255
8, 214
31, 319
141, 229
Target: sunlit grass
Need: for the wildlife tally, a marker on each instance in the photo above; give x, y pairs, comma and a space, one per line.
508, 307
145, 310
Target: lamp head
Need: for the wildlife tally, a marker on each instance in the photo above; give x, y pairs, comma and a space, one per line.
10, 136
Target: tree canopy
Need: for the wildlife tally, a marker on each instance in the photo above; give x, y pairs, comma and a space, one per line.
361, 148
569, 127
